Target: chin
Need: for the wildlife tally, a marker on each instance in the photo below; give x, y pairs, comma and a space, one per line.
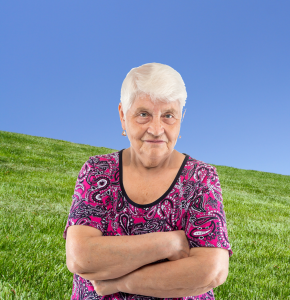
159, 151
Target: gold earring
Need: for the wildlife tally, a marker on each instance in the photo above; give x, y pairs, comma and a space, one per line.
124, 133
180, 136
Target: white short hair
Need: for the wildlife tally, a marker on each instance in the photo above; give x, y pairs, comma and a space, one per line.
160, 82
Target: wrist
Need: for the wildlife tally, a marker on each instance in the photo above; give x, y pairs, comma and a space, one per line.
167, 245
122, 285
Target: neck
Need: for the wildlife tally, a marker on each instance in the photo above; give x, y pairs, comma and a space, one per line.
147, 165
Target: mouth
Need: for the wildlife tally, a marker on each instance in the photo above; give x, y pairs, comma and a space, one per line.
155, 142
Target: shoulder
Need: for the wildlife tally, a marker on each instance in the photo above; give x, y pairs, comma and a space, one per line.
100, 161
99, 164
199, 170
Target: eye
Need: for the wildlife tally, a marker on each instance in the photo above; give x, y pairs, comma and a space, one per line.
169, 115
143, 113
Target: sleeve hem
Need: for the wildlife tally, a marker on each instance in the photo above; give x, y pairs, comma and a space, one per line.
89, 224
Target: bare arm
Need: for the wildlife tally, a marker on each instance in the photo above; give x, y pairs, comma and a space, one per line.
206, 268
186, 277
108, 257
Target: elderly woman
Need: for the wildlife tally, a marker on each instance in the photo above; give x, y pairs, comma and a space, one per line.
154, 220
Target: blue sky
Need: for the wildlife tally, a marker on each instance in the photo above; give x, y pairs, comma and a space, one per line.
62, 64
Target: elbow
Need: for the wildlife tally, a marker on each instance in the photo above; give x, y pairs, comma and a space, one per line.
76, 264
72, 266
219, 279
73, 258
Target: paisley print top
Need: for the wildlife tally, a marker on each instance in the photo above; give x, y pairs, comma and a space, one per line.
193, 203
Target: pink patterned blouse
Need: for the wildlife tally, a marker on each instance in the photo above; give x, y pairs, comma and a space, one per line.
193, 203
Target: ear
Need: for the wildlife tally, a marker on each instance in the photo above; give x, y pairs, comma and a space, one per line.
122, 116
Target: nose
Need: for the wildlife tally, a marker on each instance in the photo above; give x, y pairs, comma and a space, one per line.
155, 126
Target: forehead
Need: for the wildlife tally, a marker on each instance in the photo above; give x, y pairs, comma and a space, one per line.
144, 103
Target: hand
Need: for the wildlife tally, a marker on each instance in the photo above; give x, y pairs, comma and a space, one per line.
180, 246
105, 287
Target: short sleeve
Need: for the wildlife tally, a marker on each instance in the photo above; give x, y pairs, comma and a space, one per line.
87, 206
205, 222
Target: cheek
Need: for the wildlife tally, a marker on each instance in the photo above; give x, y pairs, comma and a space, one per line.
173, 134
138, 130
134, 133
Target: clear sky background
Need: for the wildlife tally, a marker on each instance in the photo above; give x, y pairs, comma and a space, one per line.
62, 64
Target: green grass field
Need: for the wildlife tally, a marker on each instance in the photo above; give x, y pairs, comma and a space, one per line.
37, 178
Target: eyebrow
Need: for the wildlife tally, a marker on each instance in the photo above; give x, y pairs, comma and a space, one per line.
171, 110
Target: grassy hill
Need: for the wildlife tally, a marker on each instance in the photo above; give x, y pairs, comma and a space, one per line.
37, 178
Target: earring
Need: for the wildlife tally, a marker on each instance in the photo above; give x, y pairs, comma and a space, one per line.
180, 136
124, 133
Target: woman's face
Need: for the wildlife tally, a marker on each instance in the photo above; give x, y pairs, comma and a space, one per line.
147, 122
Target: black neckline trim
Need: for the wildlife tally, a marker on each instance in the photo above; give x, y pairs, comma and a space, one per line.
159, 199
